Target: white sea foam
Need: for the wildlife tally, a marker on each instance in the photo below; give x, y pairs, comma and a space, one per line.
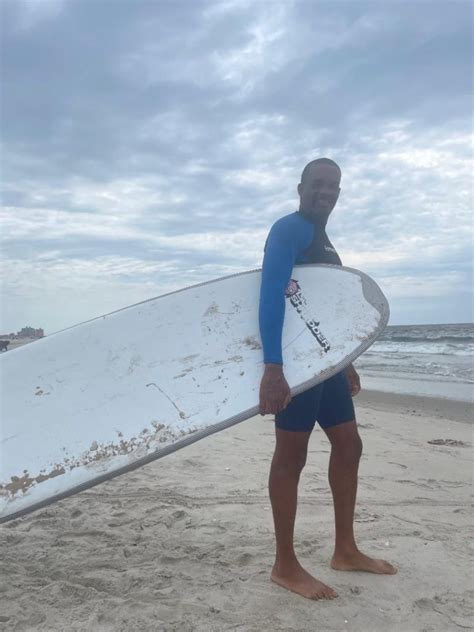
440, 353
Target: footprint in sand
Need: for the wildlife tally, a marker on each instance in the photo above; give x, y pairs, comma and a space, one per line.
179, 514
244, 559
456, 607
175, 518
365, 516
450, 442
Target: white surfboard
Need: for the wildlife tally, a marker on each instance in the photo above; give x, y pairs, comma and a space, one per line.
109, 395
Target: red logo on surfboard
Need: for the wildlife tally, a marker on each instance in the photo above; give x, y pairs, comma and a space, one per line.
292, 288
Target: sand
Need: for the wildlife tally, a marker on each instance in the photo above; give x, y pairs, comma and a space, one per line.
186, 543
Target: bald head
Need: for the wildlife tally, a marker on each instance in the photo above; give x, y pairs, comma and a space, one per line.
320, 161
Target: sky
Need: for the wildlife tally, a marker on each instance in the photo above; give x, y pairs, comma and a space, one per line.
149, 146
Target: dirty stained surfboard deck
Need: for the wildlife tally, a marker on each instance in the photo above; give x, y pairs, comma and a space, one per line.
106, 396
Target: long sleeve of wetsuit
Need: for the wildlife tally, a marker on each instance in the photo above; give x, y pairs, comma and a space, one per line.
281, 252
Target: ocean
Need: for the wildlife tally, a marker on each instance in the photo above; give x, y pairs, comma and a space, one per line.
432, 360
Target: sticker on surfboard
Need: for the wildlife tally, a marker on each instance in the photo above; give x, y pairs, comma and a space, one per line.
298, 301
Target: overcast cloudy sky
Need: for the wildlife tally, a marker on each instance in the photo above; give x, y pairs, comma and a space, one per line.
147, 146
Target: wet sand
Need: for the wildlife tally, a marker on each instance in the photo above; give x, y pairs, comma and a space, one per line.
186, 543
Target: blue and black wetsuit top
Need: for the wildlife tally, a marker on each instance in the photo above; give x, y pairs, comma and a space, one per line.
294, 239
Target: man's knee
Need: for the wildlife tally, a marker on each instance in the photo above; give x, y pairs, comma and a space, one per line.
285, 464
354, 449
345, 441
350, 451
291, 451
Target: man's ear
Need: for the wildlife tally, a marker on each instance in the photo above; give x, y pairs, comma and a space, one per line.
298, 188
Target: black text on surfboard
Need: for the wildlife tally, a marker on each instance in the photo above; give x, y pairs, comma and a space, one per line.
293, 292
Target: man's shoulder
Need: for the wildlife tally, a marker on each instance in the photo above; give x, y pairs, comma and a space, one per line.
292, 221
290, 231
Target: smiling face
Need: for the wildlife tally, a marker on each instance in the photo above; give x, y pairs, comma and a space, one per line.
319, 190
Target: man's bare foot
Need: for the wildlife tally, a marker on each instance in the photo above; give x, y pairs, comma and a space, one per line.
296, 579
357, 561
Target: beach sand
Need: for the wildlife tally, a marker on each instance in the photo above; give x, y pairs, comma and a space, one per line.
186, 543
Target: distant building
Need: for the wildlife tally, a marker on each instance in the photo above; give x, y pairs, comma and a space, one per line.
30, 332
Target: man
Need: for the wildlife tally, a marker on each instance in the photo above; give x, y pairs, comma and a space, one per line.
295, 239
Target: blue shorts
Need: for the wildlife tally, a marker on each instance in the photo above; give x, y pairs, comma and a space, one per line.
328, 403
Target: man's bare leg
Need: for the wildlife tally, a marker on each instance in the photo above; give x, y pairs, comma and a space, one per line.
288, 461
346, 449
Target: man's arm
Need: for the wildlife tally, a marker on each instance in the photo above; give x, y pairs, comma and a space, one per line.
354, 380
279, 259
278, 262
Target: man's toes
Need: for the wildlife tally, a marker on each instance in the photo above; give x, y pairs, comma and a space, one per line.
327, 594
387, 568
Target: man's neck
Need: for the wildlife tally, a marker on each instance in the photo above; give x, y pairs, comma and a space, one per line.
318, 220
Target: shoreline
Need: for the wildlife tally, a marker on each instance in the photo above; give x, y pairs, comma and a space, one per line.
400, 403
417, 384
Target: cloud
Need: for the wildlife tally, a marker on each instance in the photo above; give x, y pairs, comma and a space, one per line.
172, 135
28, 15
